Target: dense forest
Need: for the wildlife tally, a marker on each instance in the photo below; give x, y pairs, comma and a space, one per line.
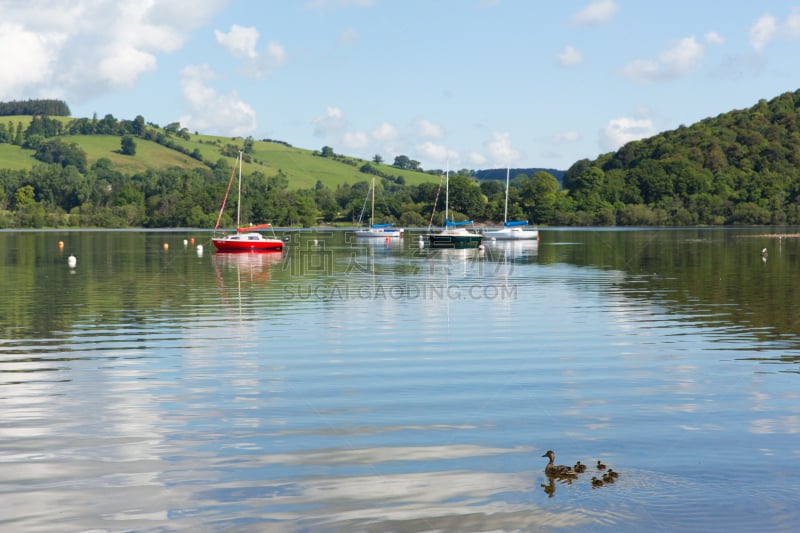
740, 167
54, 108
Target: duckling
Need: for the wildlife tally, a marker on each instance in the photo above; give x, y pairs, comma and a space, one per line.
596, 482
608, 478
600, 466
579, 467
557, 470
612, 473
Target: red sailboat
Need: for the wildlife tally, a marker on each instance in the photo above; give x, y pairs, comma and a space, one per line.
247, 239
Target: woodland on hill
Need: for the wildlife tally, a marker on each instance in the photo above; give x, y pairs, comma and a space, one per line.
740, 167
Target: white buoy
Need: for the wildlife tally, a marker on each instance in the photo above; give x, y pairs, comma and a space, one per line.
72, 261
199, 250
421, 242
185, 243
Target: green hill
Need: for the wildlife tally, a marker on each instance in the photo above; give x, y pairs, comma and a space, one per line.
740, 167
302, 167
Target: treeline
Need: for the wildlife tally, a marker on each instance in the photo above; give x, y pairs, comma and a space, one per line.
741, 167
54, 108
61, 195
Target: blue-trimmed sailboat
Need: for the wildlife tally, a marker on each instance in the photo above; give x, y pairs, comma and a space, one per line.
454, 234
377, 230
514, 230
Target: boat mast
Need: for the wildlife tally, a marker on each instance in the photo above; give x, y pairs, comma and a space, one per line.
239, 202
446, 193
505, 211
372, 218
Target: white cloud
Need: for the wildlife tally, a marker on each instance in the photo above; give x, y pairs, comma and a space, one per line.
569, 57
385, 133
682, 58
240, 41
500, 150
331, 123
595, 13
213, 112
792, 25
622, 130
768, 28
30, 64
477, 159
425, 129
713, 37
98, 45
355, 140
763, 31
438, 153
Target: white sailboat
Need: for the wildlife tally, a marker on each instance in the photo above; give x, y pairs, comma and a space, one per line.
377, 230
515, 230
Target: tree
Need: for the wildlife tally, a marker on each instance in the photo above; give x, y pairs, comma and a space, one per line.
377, 159
327, 151
138, 126
128, 145
402, 161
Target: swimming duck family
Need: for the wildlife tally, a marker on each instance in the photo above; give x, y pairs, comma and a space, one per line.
553, 469
569, 473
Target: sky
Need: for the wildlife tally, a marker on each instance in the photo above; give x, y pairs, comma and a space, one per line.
459, 83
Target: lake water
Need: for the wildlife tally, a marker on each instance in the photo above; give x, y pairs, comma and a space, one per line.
344, 386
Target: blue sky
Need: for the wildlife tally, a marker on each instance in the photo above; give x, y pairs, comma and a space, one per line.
471, 83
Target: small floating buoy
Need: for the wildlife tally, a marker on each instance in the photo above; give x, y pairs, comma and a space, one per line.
60, 245
185, 243
199, 250
166, 246
387, 239
315, 242
191, 240
72, 261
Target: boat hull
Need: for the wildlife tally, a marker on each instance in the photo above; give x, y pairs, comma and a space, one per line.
513, 234
445, 240
243, 242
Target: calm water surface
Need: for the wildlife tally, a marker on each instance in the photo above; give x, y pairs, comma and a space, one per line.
348, 386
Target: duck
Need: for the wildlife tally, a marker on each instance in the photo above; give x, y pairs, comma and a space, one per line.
553, 469
608, 478
597, 482
600, 466
579, 467
612, 473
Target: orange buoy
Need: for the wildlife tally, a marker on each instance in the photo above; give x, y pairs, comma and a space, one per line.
60, 245
166, 246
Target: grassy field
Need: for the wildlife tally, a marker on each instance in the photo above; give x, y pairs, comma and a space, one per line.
301, 166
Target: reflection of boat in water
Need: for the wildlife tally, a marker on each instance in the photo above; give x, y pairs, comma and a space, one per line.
511, 250
245, 239
252, 267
